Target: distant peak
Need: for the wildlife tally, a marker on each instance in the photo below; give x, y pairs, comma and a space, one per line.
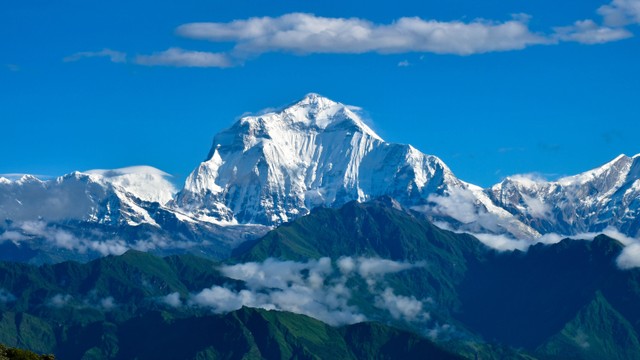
28, 178
619, 164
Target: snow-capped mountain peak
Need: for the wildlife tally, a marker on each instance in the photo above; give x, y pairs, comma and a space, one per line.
98, 196
274, 167
278, 161
312, 113
144, 182
587, 202
614, 168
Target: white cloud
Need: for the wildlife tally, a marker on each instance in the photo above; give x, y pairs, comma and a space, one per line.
536, 207
374, 267
630, 256
503, 242
39, 233
185, 58
346, 265
316, 288
528, 179
302, 33
107, 303
114, 56
63, 239
588, 32
621, 12
60, 300
401, 307
474, 215
13, 236
91, 300
459, 204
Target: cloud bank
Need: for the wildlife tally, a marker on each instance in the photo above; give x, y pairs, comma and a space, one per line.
316, 288
629, 258
41, 235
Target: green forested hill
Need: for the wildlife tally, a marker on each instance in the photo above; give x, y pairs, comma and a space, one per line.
560, 301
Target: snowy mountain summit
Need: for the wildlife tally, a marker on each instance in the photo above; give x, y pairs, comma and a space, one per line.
277, 166
274, 167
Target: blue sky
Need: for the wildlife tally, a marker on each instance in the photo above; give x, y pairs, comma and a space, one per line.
493, 88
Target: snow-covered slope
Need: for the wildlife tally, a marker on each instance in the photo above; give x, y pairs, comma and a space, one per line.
83, 215
144, 182
101, 196
272, 168
608, 196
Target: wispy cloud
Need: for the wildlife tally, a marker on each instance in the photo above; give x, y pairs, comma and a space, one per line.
59, 300
62, 239
90, 300
113, 55
629, 258
185, 58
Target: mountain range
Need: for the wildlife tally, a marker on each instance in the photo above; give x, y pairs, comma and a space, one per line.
305, 235
271, 168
